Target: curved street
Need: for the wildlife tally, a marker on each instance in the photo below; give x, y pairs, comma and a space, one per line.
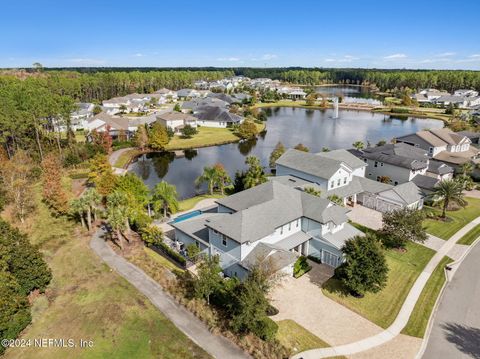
456, 327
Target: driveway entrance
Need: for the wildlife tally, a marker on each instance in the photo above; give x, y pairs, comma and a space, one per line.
365, 216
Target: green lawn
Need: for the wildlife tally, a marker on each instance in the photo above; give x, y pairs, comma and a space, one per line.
206, 136
162, 261
471, 236
382, 307
189, 203
417, 324
296, 338
86, 300
126, 156
456, 219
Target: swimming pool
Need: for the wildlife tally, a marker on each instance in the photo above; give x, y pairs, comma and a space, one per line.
185, 216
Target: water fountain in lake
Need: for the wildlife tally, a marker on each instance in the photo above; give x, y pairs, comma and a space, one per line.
335, 107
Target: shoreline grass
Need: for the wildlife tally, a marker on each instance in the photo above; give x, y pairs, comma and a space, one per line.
418, 321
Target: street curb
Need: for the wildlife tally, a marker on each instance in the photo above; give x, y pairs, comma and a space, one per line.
439, 297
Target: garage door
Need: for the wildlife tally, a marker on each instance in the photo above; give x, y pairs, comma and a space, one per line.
329, 258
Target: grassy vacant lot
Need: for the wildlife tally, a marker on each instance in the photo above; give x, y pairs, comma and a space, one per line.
189, 203
206, 136
383, 307
471, 236
417, 324
456, 219
296, 338
86, 300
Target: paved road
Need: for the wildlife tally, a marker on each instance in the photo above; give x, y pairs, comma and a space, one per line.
215, 345
456, 328
115, 155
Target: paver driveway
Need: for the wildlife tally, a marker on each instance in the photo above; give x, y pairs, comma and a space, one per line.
302, 300
365, 216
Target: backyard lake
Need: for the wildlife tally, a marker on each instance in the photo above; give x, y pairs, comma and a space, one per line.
314, 128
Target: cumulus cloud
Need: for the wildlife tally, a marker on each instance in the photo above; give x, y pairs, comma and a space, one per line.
395, 56
474, 56
445, 54
138, 54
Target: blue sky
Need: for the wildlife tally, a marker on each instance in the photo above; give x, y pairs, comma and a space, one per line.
383, 34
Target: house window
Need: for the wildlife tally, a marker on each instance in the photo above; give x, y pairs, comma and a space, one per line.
281, 230
224, 241
332, 184
298, 221
430, 150
338, 182
197, 244
290, 226
378, 178
345, 180
381, 164
396, 182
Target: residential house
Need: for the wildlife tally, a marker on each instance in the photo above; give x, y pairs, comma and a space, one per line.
168, 95
213, 116
466, 93
79, 118
186, 94
195, 103
176, 120
271, 222
114, 124
443, 145
429, 95
399, 162
224, 97
340, 173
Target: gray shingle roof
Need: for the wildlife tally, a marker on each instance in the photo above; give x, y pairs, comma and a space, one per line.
218, 114
320, 166
262, 252
439, 167
425, 182
339, 238
344, 156
262, 209
408, 192
195, 227
398, 154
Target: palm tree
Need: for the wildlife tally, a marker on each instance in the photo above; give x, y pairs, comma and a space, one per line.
164, 196
118, 214
313, 191
467, 168
92, 198
209, 176
78, 207
359, 145
222, 178
449, 191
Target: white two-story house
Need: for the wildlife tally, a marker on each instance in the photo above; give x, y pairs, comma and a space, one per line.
342, 174
271, 222
443, 145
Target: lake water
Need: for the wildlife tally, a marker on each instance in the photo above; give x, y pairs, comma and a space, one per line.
351, 94
314, 128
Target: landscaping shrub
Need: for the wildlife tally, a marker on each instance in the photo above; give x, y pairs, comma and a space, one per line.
301, 267
266, 329
171, 253
117, 145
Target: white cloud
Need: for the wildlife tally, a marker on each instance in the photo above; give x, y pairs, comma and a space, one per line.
446, 54
269, 56
86, 61
230, 59
138, 54
475, 56
345, 58
395, 56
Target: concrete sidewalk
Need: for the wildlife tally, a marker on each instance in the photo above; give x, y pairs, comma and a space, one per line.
217, 346
402, 318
